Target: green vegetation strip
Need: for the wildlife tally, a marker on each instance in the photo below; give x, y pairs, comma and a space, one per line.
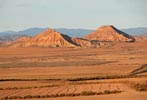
100, 78
78, 79
14, 88
19, 64
85, 93
49, 79
104, 77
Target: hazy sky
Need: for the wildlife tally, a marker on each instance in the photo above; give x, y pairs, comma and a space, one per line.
22, 14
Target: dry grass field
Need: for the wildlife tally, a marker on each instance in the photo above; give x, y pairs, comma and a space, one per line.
107, 73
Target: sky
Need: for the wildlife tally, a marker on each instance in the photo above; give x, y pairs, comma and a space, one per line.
88, 14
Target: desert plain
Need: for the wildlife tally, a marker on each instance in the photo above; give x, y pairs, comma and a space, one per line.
116, 72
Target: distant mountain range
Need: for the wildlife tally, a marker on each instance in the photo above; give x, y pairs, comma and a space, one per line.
35, 31
136, 31
11, 35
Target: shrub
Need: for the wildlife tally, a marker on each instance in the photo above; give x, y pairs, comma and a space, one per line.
139, 86
62, 95
107, 92
115, 91
99, 93
71, 94
88, 93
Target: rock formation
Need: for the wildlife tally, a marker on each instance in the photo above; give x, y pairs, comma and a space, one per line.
52, 38
109, 33
49, 38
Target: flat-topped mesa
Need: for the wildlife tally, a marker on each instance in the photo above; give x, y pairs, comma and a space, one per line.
110, 33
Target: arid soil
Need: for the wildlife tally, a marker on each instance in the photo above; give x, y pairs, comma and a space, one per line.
73, 73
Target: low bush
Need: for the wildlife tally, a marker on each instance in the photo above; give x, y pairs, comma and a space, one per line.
107, 92
84, 93
142, 86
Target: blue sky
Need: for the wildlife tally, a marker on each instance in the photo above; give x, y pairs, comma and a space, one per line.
90, 14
